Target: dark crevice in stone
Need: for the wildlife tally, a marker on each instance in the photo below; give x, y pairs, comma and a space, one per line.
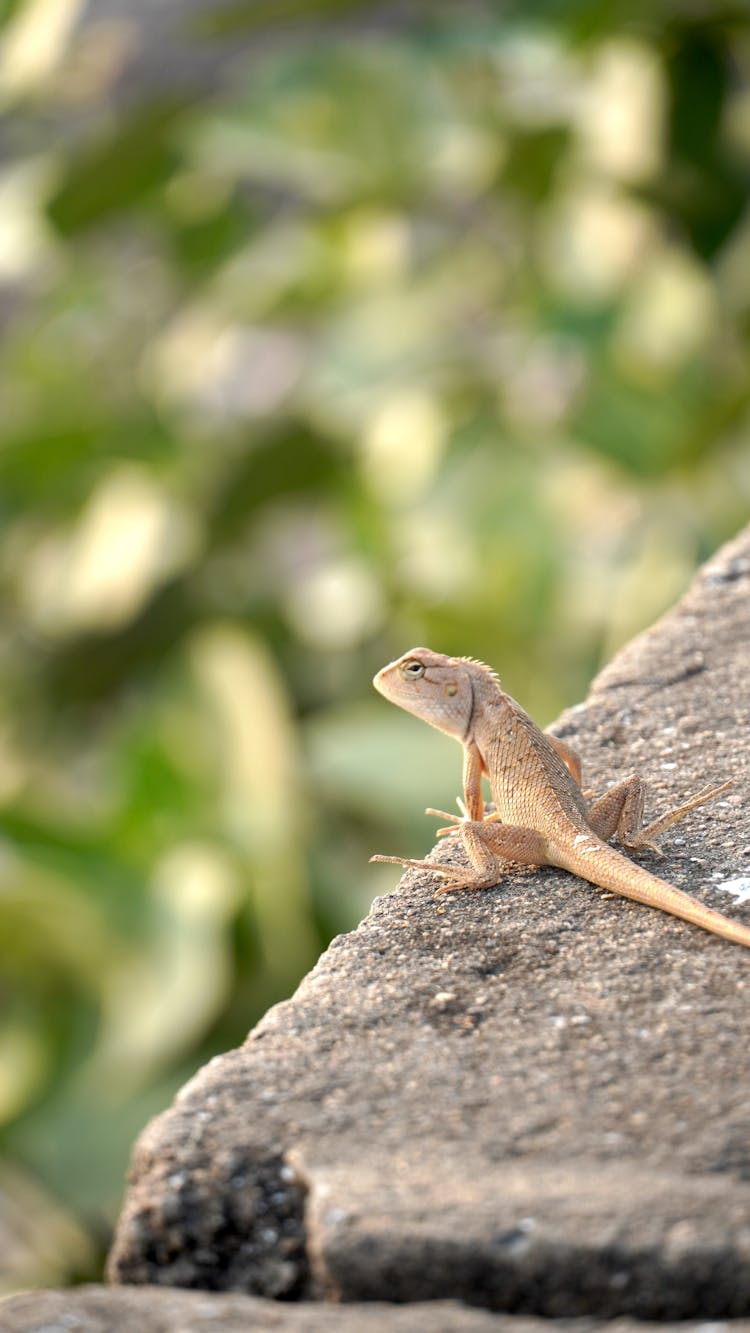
563, 1282
247, 1236
649, 684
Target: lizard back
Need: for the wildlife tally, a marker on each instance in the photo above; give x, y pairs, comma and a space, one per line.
530, 784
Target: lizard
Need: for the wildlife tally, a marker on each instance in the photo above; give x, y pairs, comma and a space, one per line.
542, 816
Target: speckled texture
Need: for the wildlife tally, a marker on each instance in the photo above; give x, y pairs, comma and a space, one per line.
160, 1310
534, 1098
163, 1310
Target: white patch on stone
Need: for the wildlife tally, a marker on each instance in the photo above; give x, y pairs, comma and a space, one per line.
739, 888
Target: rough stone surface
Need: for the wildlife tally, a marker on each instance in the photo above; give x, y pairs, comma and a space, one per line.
534, 1098
160, 1310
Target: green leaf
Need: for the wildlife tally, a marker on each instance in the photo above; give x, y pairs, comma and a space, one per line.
120, 171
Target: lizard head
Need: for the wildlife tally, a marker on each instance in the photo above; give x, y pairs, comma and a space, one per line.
438, 689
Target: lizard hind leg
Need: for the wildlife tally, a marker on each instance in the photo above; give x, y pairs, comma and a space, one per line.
487, 845
456, 873
456, 877
671, 817
620, 811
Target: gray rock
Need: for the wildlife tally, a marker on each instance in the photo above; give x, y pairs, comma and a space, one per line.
534, 1098
161, 1310
165, 1310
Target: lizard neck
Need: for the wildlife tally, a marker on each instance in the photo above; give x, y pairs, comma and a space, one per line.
469, 737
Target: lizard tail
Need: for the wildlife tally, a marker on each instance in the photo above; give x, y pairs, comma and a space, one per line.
602, 865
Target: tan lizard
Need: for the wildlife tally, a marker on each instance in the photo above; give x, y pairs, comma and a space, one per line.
541, 814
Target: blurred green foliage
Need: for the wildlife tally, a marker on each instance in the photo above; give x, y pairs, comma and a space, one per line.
433, 331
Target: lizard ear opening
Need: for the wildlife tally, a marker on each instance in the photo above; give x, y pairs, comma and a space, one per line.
412, 668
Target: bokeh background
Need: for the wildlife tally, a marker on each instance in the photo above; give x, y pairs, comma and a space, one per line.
327, 329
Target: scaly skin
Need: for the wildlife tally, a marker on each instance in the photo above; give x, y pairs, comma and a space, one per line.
541, 814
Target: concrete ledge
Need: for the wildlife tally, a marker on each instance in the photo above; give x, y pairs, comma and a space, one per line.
533, 1098
164, 1310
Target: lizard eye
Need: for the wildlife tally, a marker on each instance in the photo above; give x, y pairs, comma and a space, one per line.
412, 669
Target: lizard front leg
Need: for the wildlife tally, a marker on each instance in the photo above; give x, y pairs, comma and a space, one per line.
482, 872
473, 798
620, 811
472, 803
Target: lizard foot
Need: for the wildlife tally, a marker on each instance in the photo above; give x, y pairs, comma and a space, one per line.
458, 877
644, 837
449, 872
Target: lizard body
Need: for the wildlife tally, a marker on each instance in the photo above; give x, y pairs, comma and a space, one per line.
541, 814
